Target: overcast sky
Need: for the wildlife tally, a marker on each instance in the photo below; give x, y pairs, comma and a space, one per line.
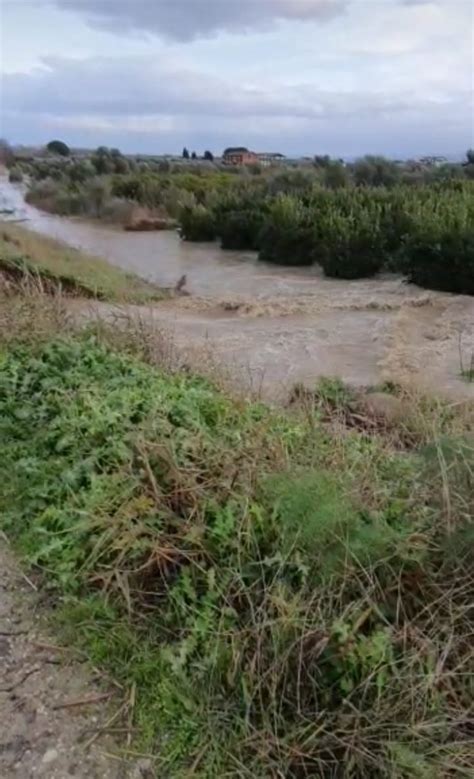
343, 77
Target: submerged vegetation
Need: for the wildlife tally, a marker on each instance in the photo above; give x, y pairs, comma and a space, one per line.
354, 220
284, 596
425, 232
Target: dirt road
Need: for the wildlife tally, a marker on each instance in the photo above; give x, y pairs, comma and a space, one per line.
42, 734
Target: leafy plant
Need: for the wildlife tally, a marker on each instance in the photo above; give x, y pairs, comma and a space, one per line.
15, 175
197, 224
275, 594
286, 237
241, 229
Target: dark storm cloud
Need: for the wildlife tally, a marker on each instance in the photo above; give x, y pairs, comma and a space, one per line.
188, 19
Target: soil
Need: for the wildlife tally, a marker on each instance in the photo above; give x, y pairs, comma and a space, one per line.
43, 731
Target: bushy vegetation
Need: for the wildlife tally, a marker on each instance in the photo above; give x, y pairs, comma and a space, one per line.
439, 250
426, 232
350, 246
58, 147
287, 233
88, 199
6, 153
15, 175
197, 224
353, 220
283, 601
241, 229
444, 264
356, 232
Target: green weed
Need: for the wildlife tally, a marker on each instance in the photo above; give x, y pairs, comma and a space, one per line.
285, 603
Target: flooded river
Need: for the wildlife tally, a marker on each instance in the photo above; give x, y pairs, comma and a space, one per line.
274, 326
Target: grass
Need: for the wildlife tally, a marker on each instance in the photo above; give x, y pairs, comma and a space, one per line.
468, 373
25, 253
466, 368
283, 600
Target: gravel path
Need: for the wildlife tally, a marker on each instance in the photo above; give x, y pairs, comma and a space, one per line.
40, 736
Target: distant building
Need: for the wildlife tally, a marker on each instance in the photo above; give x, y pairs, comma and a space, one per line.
270, 158
239, 155
299, 162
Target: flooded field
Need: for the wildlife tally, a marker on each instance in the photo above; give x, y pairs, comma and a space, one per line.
275, 326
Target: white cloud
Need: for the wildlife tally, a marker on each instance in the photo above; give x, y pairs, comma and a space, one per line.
149, 87
378, 74
145, 97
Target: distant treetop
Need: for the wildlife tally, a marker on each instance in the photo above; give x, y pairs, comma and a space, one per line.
6, 154
58, 147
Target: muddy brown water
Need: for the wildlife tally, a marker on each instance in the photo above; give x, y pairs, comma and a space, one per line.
275, 326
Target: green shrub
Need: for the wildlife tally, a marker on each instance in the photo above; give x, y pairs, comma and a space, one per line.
317, 518
197, 224
395, 222
58, 147
96, 193
335, 175
42, 169
286, 237
350, 247
145, 188
69, 203
175, 200
439, 249
291, 182
441, 261
79, 172
43, 193
15, 175
240, 229
375, 171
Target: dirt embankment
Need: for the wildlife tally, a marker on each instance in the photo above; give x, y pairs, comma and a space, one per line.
146, 220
